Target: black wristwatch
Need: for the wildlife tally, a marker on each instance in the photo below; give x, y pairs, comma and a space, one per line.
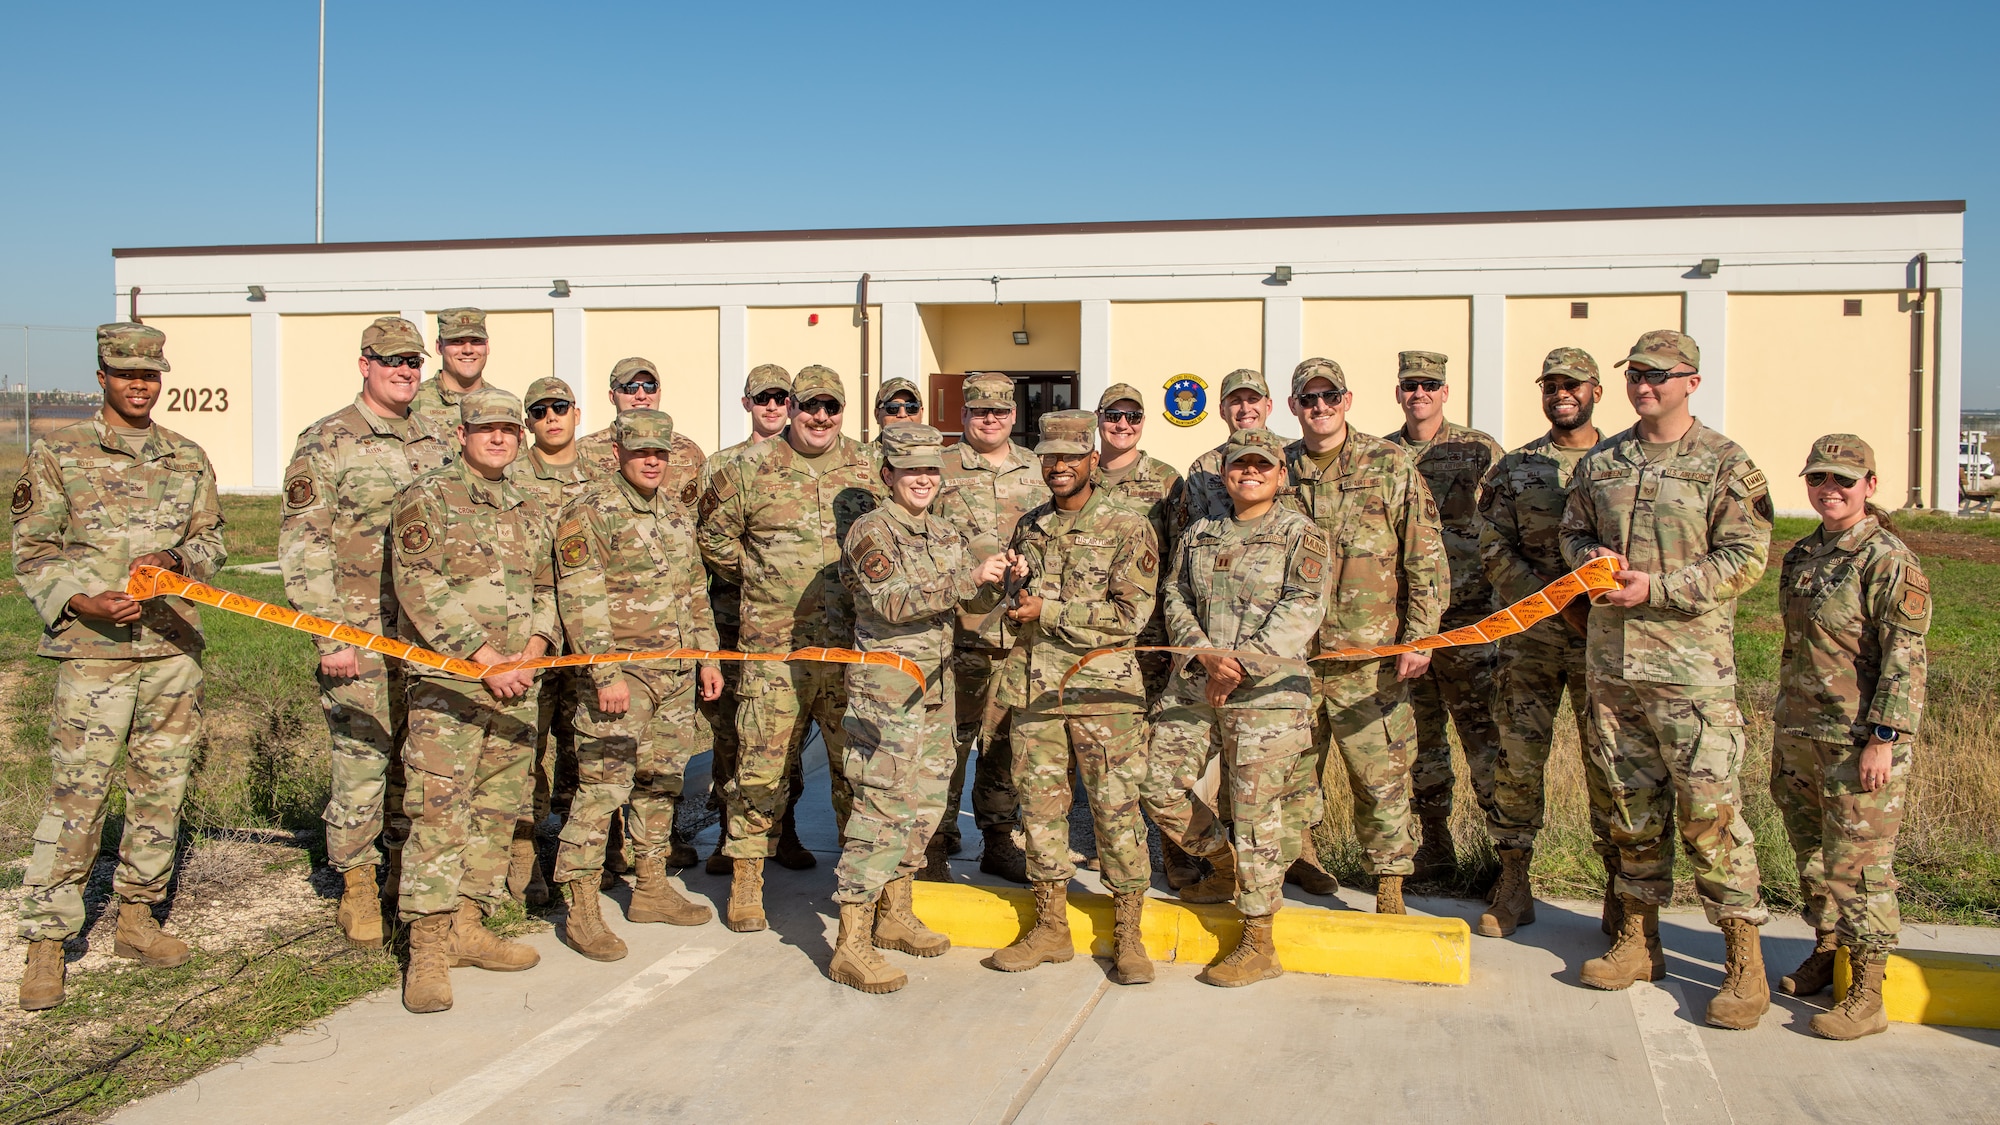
1885, 734
180, 564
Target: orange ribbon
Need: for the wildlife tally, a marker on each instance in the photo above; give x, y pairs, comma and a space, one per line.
151, 581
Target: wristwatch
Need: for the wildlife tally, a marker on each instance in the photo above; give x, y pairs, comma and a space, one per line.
180, 564
1885, 734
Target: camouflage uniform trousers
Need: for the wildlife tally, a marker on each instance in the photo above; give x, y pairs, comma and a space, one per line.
1674, 753
365, 721
640, 757
468, 762
899, 760
1110, 754
777, 702
1458, 686
1260, 749
994, 802
555, 739
1844, 837
1365, 711
1534, 670
152, 710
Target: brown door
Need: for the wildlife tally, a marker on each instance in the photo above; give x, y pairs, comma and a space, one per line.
1035, 394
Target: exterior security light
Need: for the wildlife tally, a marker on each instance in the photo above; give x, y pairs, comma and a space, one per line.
1021, 333
256, 292
1282, 275
561, 289
1708, 267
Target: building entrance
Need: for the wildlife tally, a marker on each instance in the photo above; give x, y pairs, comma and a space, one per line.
1035, 393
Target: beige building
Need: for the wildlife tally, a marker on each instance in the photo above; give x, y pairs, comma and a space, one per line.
1808, 318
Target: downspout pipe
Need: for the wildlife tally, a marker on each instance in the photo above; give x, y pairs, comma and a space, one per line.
1922, 264
867, 398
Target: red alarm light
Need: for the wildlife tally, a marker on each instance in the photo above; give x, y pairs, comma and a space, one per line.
812, 320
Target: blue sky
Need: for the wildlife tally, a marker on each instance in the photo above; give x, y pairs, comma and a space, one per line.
169, 124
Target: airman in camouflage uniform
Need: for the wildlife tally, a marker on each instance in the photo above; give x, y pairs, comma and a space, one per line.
1093, 568
629, 578
911, 574
462, 347
1246, 405
474, 579
96, 499
333, 546
1459, 683
1689, 518
989, 483
1154, 487
896, 400
1521, 548
1856, 606
635, 385
1253, 580
1388, 586
775, 523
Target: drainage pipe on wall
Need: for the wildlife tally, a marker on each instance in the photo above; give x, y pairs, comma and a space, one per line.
867, 400
1922, 262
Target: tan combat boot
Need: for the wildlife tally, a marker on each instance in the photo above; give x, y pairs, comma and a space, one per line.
1307, 875
360, 912
1219, 885
1436, 858
1180, 868
140, 938
1513, 901
1130, 963
792, 854
42, 983
1389, 895
856, 962
1745, 995
1635, 955
1255, 957
746, 897
584, 929
937, 865
656, 899
471, 943
1815, 974
1612, 917
427, 978
1049, 941
898, 927
1860, 1012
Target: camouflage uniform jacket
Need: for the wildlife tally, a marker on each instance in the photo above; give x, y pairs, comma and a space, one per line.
629, 577
1856, 608
1258, 586
472, 566
910, 577
1389, 569
340, 491
1522, 502
85, 507
1202, 495
1699, 523
771, 526
551, 485
1152, 486
1096, 571
1453, 463
985, 502
682, 480
438, 406
725, 597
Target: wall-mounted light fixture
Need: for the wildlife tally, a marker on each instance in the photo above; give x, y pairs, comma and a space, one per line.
1281, 275
256, 292
1021, 333
1708, 267
561, 288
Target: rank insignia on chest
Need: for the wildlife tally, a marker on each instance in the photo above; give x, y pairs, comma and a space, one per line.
24, 497
875, 565
299, 492
1187, 400
572, 552
1223, 560
415, 537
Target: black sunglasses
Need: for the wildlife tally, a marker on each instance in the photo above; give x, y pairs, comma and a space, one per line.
1565, 386
1310, 399
766, 398
638, 386
1430, 385
909, 408
989, 411
1132, 416
1817, 480
828, 406
542, 410
1654, 378
415, 361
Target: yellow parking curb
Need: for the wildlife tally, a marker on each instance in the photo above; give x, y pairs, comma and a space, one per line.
1343, 943
1918, 986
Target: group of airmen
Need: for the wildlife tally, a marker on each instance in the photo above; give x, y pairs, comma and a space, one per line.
442, 513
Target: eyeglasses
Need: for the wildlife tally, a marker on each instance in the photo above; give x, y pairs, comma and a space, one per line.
1133, 417
897, 408
415, 361
1426, 385
1818, 480
638, 387
1654, 378
827, 406
1310, 399
542, 410
766, 398
989, 411
1562, 386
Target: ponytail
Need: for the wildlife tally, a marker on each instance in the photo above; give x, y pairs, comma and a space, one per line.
1882, 517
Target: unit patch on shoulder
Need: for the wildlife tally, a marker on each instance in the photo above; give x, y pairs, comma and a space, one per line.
299, 492
1915, 604
415, 537
24, 497
1149, 563
875, 565
688, 493
573, 552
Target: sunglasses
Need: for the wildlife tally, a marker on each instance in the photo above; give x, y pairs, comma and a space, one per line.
1561, 386
638, 387
1310, 399
1654, 378
1428, 385
827, 406
1133, 417
766, 398
415, 361
542, 410
1818, 480
989, 411
898, 408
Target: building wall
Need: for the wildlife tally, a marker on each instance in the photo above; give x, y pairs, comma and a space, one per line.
207, 397
319, 372
784, 337
1364, 337
1538, 325
685, 345
981, 337
1155, 342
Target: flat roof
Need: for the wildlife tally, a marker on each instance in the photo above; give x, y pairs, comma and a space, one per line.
1145, 226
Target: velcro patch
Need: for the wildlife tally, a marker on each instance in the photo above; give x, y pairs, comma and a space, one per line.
300, 493
1149, 563
1914, 604
688, 493
573, 552
875, 565
1914, 577
1309, 562
415, 537
24, 497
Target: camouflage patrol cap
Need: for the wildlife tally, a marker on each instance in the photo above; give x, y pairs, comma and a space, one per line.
1119, 392
392, 335
626, 368
989, 389
912, 445
1845, 454
766, 377
1067, 431
548, 388
897, 386
1662, 349
1573, 362
489, 404
1258, 442
1245, 377
814, 380
1423, 365
643, 429
131, 347
462, 324
1318, 368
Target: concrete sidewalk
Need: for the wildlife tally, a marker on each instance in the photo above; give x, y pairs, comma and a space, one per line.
704, 1024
